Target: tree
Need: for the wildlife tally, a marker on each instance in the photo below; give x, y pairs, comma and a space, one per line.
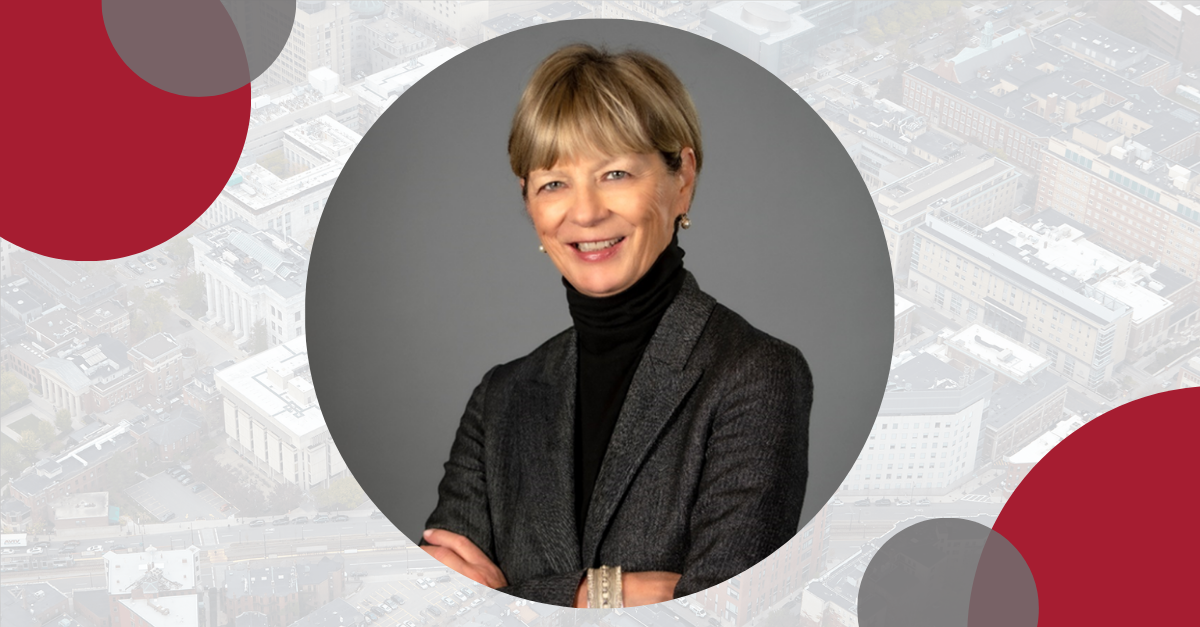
30, 442
63, 420
157, 309
190, 292
258, 337
181, 251
13, 391
344, 493
12, 460
285, 497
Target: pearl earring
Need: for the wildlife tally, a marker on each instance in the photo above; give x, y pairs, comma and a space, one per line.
684, 221
541, 248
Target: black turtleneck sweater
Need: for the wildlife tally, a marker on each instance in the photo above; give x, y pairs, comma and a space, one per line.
612, 333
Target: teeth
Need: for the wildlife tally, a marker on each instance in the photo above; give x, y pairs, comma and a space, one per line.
588, 247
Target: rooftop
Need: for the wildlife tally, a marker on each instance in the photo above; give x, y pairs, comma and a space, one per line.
770, 21
382, 88
1033, 452
1013, 399
23, 296
925, 385
999, 353
153, 570
261, 582
256, 257
81, 505
171, 431
336, 613
902, 305
169, 611
277, 384
156, 346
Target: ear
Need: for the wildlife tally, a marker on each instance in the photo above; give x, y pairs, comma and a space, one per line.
687, 177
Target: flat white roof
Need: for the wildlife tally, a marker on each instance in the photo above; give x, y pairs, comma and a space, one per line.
1064, 248
382, 88
252, 383
177, 567
1127, 287
82, 505
999, 353
1037, 449
169, 611
902, 305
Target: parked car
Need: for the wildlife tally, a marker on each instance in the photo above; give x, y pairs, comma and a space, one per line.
376, 514
226, 507
448, 601
198, 487
421, 583
72, 543
434, 610
862, 503
476, 602
883, 502
185, 480
65, 549
182, 475
836, 502
340, 518
878, 57
169, 516
467, 591
279, 522
150, 264
161, 261
321, 519
258, 523
698, 611
368, 618
139, 270
117, 547
185, 322
384, 607
35, 550
923, 502
7, 551
300, 520
397, 599
461, 611
443, 579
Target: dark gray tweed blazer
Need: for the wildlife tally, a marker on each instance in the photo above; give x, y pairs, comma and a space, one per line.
704, 475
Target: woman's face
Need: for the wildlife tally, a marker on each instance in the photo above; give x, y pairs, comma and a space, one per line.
605, 220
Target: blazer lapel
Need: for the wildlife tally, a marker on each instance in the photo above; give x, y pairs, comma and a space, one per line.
659, 385
546, 414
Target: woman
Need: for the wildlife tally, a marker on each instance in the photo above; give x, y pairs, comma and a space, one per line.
661, 434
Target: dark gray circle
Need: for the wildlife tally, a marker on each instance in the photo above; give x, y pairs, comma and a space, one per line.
947, 572
201, 47
425, 271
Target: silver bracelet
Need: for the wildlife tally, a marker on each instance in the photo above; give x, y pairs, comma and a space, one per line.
604, 587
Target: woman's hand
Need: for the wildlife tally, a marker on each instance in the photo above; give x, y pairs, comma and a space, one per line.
459, 553
644, 588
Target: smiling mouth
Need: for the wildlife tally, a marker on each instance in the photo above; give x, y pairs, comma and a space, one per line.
589, 247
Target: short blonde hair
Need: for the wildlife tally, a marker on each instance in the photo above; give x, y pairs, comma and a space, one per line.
581, 98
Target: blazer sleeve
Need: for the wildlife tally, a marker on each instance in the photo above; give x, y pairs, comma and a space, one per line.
462, 494
752, 486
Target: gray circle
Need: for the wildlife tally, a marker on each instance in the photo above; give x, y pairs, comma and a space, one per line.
202, 47
947, 572
425, 271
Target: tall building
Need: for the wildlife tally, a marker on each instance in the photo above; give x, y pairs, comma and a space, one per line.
322, 35
272, 591
925, 439
1173, 27
153, 588
773, 34
252, 276
1037, 284
457, 20
378, 91
1133, 61
974, 185
272, 418
1139, 201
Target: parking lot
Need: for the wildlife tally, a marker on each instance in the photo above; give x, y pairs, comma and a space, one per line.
418, 599
163, 494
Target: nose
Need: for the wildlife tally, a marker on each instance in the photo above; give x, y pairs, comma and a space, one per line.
587, 208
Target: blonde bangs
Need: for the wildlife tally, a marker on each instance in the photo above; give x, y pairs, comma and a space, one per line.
581, 100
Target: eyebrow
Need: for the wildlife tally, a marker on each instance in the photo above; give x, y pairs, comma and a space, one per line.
600, 166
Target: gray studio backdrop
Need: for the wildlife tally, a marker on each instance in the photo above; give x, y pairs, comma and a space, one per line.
425, 270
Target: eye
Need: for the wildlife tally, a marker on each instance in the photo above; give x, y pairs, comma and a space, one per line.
551, 186
616, 175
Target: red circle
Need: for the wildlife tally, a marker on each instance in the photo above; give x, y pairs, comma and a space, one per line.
1102, 521
106, 165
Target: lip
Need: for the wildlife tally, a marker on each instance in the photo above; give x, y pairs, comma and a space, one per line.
598, 255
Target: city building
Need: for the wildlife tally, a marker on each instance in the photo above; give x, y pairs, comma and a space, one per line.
925, 439
391, 43
167, 440
1116, 53
974, 185
336, 613
1173, 27
15, 516
107, 318
82, 509
378, 91
7, 248
88, 375
772, 34
92, 606
167, 578
200, 393
745, 597
170, 611
67, 281
41, 602
1139, 201
275, 111
461, 21
285, 190
906, 311
322, 36
23, 300
1019, 464
1034, 284
673, 14
160, 358
252, 276
272, 418
321, 582
1189, 374
77, 469
273, 591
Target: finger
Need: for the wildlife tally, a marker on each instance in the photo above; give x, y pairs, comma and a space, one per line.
461, 545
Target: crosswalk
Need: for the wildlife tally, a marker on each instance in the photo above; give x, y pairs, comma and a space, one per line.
850, 79
217, 556
976, 498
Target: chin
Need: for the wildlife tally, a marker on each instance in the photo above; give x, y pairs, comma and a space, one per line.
599, 287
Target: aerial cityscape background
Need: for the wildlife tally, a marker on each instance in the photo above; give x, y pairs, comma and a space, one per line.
1034, 165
